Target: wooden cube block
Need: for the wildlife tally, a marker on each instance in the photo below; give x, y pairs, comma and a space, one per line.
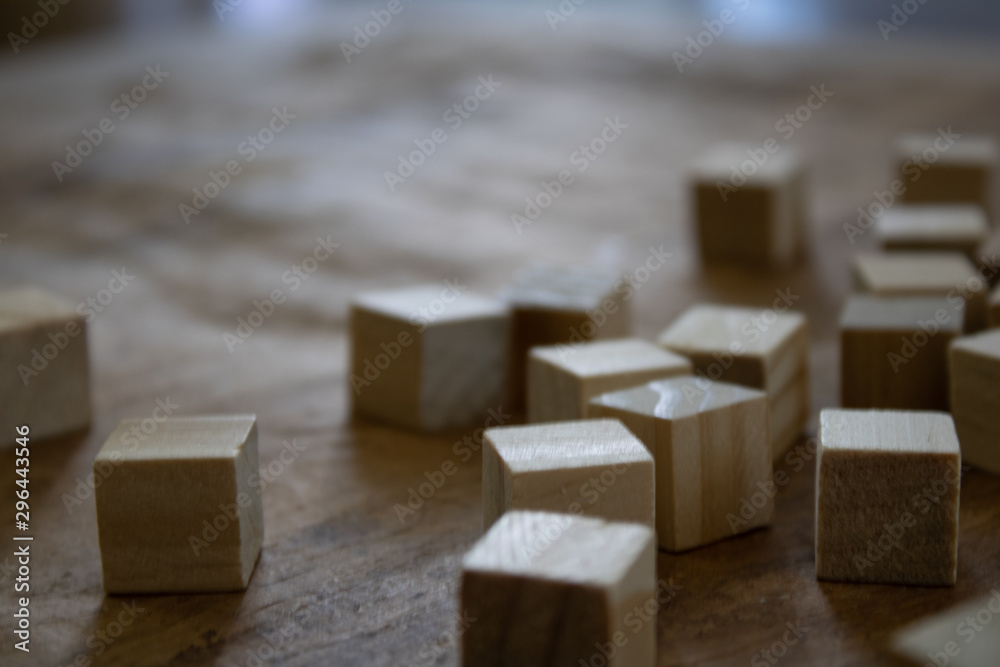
43, 358
563, 378
974, 379
894, 352
962, 636
179, 505
993, 309
759, 223
938, 168
887, 487
555, 589
712, 451
554, 305
428, 358
947, 274
593, 467
755, 348
944, 227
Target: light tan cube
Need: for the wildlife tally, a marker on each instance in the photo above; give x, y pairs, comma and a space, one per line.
948, 168
974, 374
949, 228
963, 636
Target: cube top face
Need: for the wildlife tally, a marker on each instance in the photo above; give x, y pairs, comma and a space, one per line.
709, 328
611, 357
900, 273
929, 223
864, 312
887, 431
562, 445
560, 289
24, 307
178, 438
677, 398
587, 551
964, 150
779, 168
985, 344
441, 304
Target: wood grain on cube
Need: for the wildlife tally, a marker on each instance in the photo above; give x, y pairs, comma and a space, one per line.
974, 374
948, 168
563, 378
964, 636
957, 227
887, 488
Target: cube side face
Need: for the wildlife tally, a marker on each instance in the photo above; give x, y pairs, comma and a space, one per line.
634, 647
497, 487
952, 184
789, 412
747, 370
737, 229
975, 400
249, 500
383, 387
554, 394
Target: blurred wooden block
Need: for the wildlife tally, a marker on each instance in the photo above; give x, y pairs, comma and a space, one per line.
592, 467
428, 357
993, 309
758, 222
764, 349
563, 378
43, 358
553, 305
887, 497
963, 636
894, 352
974, 379
958, 228
947, 274
712, 451
555, 589
179, 504
942, 169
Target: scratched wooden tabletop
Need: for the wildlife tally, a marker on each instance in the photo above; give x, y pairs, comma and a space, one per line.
343, 579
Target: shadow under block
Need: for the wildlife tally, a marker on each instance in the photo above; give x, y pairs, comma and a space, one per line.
43, 359
712, 452
427, 358
964, 636
550, 590
552, 305
757, 224
943, 227
887, 489
947, 274
592, 467
964, 169
563, 378
974, 374
179, 508
763, 349
894, 352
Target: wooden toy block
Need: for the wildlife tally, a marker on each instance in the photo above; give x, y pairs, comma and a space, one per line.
563, 378
556, 589
712, 452
428, 358
947, 274
993, 309
592, 467
940, 168
554, 305
746, 213
955, 227
887, 488
179, 505
43, 358
763, 349
974, 379
894, 352
963, 636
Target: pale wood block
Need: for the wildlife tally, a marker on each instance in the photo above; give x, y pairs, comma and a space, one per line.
956, 227
179, 505
592, 467
974, 379
43, 358
712, 451
887, 489
759, 224
964, 636
563, 378
963, 170
993, 309
788, 412
427, 358
894, 352
555, 589
947, 274
756, 348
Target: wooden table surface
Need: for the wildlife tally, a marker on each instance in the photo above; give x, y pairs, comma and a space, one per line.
342, 580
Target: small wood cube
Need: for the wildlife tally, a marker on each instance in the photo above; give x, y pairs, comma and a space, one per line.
553, 305
956, 227
43, 358
948, 168
556, 589
563, 378
947, 274
974, 374
894, 352
592, 467
428, 357
755, 219
764, 349
179, 505
712, 451
887, 487
962, 636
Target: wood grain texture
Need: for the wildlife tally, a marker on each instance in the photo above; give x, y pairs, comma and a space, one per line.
974, 378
